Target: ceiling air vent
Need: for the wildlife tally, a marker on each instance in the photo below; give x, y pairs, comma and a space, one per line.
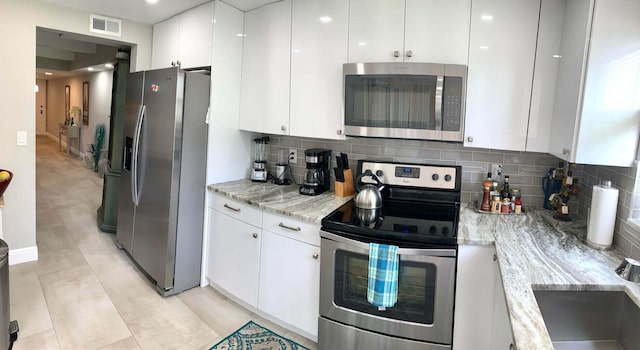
105, 25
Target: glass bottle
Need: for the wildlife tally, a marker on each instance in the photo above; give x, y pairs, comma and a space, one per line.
505, 193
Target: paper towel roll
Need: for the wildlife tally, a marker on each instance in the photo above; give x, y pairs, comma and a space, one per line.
602, 219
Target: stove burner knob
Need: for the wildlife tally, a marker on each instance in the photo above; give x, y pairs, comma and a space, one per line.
378, 173
447, 178
435, 177
432, 230
445, 231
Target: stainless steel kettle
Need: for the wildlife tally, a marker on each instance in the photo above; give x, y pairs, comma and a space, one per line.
369, 195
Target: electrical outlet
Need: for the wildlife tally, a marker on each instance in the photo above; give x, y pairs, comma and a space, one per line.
293, 156
496, 170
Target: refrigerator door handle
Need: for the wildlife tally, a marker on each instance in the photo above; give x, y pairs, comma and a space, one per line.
135, 196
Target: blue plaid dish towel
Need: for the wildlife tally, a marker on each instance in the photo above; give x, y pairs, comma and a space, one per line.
382, 288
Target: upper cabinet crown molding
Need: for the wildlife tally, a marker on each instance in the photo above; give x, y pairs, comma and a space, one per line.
185, 40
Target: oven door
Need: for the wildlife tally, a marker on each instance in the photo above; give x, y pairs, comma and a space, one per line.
426, 278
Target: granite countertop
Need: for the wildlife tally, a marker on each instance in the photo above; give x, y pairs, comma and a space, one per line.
537, 252
283, 200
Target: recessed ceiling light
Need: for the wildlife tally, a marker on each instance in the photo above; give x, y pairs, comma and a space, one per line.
362, 43
241, 34
90, 69
108, 65
152, 1
483, 47
487, 18
557, 56
325, 19
48, 73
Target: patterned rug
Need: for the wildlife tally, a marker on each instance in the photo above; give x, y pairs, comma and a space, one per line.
252, 336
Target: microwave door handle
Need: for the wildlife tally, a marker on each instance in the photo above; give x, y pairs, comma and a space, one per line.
438, 101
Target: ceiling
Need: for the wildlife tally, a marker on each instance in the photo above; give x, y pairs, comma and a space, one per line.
143, 12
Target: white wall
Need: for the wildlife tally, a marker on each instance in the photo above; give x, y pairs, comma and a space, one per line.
99, 104
17, 107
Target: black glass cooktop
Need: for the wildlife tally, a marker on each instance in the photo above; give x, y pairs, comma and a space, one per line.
405, 223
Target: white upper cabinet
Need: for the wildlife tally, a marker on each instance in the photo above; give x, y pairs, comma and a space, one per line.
412, 31
376, 30
186, 38
166, 36
502, 48
264, 95
544, 77
598, 121
196, 36
318, 50
437, 31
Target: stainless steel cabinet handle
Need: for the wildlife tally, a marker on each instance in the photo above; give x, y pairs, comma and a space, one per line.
173, 64
283, 128
396, 53
495, 258
409, 53
511, 347
470, 139
178, 63
237, 210
255, 235
566, 151
339, 132
315, 256
297, 229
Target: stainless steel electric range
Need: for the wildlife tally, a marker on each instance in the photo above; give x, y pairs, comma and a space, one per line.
419, 214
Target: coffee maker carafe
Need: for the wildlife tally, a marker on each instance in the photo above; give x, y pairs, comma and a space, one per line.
259, 172
317, 178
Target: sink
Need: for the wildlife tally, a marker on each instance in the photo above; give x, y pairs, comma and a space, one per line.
593, 320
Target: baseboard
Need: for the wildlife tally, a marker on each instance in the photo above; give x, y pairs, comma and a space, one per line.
23, 255
64, 144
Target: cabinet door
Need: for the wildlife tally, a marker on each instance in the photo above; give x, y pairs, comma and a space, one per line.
234, 256
576, 25
166, 36
501, 54
610, 118
376, 30
475, 284
290, 281
264, 99
196, 36
501, 336
544, 79
437, 31
318, 50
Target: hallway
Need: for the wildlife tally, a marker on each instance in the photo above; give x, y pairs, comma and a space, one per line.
85, 293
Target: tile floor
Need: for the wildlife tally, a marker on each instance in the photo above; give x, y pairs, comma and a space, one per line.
85, 293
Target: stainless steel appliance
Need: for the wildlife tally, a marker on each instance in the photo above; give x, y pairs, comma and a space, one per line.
419, 214
317, 178
162, 186
259, 171
405, 100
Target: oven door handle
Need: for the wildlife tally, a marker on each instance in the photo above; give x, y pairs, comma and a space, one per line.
401, 251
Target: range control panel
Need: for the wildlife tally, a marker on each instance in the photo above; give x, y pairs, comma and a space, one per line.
424, 176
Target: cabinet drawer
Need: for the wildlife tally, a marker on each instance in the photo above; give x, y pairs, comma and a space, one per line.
289, 227
241, 211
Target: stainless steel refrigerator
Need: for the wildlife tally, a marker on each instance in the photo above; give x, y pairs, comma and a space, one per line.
162, 185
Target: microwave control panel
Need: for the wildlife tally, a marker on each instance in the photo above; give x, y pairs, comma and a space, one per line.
452, 104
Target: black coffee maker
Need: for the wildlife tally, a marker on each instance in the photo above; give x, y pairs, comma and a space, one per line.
317, 178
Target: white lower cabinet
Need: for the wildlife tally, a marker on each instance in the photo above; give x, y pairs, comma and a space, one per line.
234, 256
290, 281
268, 261
481, 317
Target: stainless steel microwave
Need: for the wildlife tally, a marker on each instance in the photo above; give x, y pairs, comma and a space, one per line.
405, 100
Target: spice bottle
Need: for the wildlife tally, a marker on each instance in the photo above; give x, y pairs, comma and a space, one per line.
496, 204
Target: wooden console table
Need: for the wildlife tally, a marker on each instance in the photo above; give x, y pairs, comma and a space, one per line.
72, 132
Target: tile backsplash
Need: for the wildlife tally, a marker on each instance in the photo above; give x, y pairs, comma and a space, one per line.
525, 169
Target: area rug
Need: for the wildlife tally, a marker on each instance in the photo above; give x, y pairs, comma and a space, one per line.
253, 336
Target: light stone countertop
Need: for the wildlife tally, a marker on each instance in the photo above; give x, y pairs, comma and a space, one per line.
537, 252
283, 200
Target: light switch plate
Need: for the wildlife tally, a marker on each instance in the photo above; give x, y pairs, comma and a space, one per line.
22, 138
